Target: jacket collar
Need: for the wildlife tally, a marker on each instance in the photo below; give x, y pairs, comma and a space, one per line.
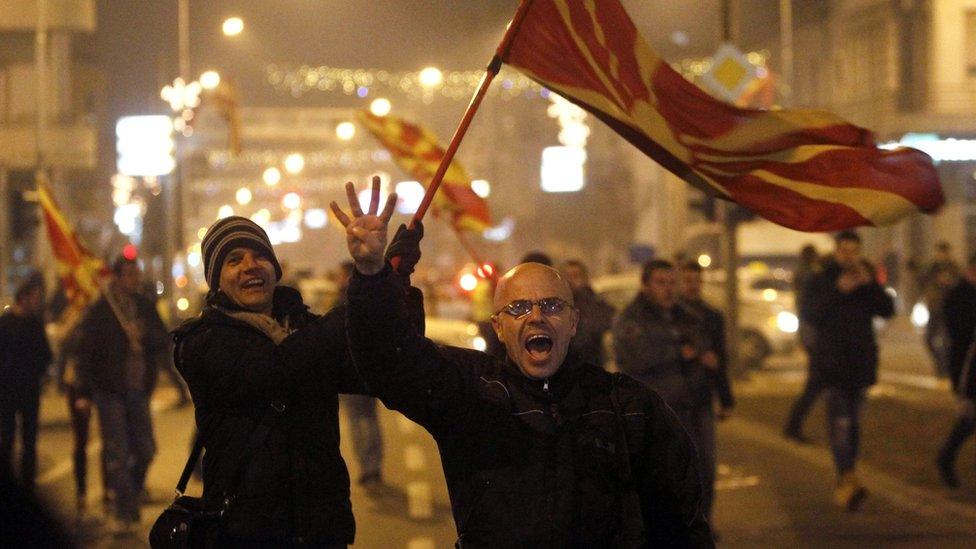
554, 388
287, 306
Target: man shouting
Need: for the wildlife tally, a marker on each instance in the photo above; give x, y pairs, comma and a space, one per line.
539, 449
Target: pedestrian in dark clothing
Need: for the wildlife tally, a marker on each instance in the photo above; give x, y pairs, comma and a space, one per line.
941, 275
120, 337
808, 268
666, 345
24, 358
367, 438
541, 450
255, 348
596, 315
715, 360
960, 322
841, 303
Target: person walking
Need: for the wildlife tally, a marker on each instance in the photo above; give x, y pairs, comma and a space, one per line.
596, 315
941, 275
841, 303
809, 267
367, 438
538, 450
24, 357
960, 322
119, 340
665, 344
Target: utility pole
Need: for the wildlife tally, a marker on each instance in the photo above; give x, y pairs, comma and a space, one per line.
725, 216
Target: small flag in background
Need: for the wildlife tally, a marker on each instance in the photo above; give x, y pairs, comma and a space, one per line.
417, 152
78, 269
803, 169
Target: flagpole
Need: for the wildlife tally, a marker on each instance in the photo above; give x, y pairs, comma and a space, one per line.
490, 72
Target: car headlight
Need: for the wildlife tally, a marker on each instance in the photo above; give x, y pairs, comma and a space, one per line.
920, 315
787, 322
479, 343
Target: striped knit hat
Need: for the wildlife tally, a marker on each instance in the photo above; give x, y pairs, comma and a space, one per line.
227, 234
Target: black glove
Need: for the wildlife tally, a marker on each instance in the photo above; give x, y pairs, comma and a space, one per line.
406, 246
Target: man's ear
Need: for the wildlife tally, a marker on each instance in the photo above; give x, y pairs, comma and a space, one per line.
496, 325
575, 320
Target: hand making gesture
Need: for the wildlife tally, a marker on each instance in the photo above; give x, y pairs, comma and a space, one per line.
366, 233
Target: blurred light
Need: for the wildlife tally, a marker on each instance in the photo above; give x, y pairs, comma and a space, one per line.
233, 26
182, 281
186, 116
291, 201
365, 195
285, 232
486, 270
202, 232
479, 343
472, 329
130, 252
481, 188
160, 288
295, 217
294, 163
704, 260
225, 211
271, 176
380, 106
920, 315
430, 77
316, 218
126, 218
210, 80
769, 294
787, 322
468, 282
892, 292
409, 196
262, 217
680, 38
193, 259
182, 303
145, 145
345, 131
562, 169
500, 232
243, 196
362, 91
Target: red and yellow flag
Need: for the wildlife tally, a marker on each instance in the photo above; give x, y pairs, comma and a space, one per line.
803, 169
417, 152
79, 270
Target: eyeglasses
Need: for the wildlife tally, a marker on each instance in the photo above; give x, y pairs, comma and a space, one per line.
550, 306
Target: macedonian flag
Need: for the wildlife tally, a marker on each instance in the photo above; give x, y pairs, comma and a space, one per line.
79, 270
417, 152
804, 169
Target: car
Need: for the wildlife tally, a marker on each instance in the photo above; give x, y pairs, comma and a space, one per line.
767, 321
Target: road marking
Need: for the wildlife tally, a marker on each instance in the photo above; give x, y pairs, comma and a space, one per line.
421, 543
420, 503
413, 457
65, 466
405, 425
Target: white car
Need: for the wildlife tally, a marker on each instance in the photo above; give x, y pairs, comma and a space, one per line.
767, 321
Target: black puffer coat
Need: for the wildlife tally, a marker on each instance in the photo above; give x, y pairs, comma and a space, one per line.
532, 463
296, 486
845, 350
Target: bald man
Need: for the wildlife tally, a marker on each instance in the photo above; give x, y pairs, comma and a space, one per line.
539, 449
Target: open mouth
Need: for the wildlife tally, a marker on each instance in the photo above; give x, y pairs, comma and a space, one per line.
253, 283
539, 346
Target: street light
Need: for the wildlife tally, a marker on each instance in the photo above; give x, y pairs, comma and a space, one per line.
294, 163
243, 196
431, 77
210, 80
345, 131
380, 106
271, 176
233, 26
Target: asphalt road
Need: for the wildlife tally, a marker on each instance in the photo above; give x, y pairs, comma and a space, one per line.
771, 492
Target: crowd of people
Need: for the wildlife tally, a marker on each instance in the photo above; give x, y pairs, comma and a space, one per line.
540, 444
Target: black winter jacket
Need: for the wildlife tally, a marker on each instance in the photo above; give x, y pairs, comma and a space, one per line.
845, 350
531, 463
960, 322
102, 347
647, 343
295, 486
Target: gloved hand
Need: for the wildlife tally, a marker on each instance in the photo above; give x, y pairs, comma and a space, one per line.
406, 246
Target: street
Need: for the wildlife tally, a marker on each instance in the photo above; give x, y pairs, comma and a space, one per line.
771, 492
